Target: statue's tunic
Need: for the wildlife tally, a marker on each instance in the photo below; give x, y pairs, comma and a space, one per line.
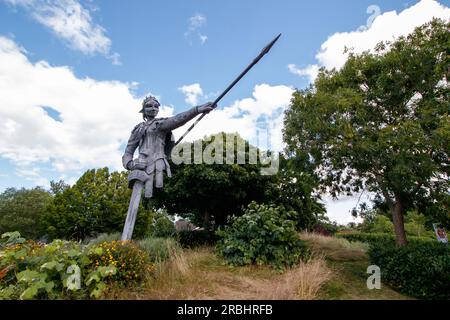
153, 137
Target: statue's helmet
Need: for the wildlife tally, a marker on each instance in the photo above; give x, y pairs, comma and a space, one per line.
148, 99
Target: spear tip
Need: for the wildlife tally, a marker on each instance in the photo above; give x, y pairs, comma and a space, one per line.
269, 46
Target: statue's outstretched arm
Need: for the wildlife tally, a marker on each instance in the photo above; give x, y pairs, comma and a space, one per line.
183, 117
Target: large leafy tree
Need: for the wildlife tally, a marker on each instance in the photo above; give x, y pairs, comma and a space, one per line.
295, 190
381, 123
22, 210
96, 203
209, 193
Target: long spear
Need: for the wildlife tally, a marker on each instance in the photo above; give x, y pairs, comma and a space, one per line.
255, 61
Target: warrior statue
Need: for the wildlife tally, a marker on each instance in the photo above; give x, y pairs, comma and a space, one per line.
155, 140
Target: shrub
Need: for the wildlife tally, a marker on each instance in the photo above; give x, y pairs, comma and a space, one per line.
131, 261
263, 235
103, 237
159, 249
418, 269
195, 238
61, 269
162, 226
374, 238
325, 228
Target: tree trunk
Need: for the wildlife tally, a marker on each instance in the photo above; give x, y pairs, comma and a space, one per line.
398, 210
206, 218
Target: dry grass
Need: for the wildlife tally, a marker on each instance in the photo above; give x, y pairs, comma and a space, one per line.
199, 274
310, 277
336, 270
336, 249
300, 283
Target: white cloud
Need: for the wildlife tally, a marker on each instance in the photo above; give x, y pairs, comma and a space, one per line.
72, 23
33, 174
243, 116
340, 210
192, 93
310, 71
384, 27
96, 116
196, 22
115, 58
203, 38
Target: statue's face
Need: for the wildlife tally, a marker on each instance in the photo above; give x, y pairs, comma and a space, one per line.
151, 109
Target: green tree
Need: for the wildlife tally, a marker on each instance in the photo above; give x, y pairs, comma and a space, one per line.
381, 123
382, 224
416, 225
96, 203
295, 190
57, 187
209, 193
162, 226
22, 210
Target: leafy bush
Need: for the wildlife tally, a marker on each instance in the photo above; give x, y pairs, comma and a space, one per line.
103, 237
421, 270
159, 249
325, 228
131, 261
263, 235
67, 269
374, 238
195, 238
162, 226
61, 269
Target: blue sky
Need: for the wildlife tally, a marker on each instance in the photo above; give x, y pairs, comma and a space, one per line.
74, 72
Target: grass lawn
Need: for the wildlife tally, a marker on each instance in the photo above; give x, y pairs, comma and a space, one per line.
348, 262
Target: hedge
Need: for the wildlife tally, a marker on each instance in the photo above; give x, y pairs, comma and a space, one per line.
419, 269
373, 238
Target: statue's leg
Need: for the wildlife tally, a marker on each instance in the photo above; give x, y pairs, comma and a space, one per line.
132, 210
149, 186
159, 178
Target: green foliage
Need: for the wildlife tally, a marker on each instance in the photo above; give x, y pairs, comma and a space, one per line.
421, 270
159, 249
97, 203
263, 235
212, 192
376, 238
380, 123
295, 191
195, 238
22, 210
104, 237
10, 238
69, 270
325, 228
61, 269
382, 224
162, 226
131, 262
415, 225
208, 193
